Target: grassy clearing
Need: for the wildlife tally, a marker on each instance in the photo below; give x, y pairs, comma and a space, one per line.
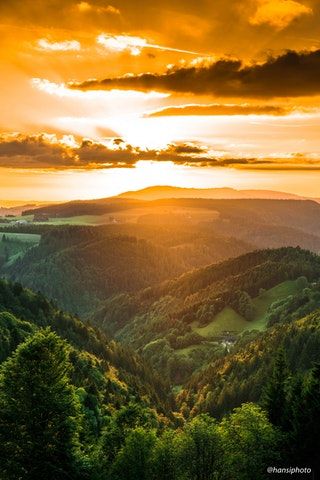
151, 214
229, 320
187, 350
80, 220
21, 237
265, 300
202, 347
12, 245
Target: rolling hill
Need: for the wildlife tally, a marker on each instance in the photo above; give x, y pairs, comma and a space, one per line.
260, 222
241, 375
79, 267
99, 364
166, 191
181, 323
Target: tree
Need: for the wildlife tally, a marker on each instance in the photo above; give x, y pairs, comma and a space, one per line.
305, 407
133, 461
250, 443
275, 393
200, 449
38, 412
302, 282
164, 457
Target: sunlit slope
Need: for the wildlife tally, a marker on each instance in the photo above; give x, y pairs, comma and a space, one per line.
15, 245
104, 370
81, 266
192, 317
228, 320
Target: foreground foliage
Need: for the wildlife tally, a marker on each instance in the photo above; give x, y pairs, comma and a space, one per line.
74, 404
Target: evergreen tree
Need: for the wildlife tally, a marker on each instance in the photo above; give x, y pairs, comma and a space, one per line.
251, 443
38, 412
201, 453
133, 461
275, 393
305, 440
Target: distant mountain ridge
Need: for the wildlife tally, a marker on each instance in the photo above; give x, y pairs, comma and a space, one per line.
163, 191
15, 208
135, 198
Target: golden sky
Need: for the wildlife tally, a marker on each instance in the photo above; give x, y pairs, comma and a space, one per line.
99, 97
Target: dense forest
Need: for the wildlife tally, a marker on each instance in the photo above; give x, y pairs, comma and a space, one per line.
77, 405
160, 240
143, 243
183, 324
187, 353
81, 266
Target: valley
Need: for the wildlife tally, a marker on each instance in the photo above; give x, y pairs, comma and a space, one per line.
159, 240
177, 311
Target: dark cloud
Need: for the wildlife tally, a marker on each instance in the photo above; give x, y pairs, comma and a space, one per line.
288, 75
36, 151
47, 152
218, 109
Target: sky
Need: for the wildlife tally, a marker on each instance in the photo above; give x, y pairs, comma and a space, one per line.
101, 97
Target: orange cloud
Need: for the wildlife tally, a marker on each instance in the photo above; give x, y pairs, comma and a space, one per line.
48, 152
132, 44
85, 7
64, 46
278, 13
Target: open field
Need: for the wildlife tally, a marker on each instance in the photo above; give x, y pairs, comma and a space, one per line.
228, 320
21, 237
155, 215
14, 244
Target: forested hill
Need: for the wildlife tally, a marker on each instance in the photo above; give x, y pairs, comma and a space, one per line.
80, 270
79, 267
108, 372
241, 376
86, 207
296, 214
241, 268
259, 223
182, 324
75, 405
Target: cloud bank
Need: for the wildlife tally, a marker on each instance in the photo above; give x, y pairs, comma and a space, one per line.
48, 152
291, 74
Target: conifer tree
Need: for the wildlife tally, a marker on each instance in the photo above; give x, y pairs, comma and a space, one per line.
306, 422
38, 412
133, 461
274, 397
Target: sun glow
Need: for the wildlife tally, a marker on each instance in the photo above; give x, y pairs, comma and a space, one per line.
62, 90
72, 185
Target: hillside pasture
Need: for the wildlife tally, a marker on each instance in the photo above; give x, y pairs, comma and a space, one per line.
228, 320
13, 245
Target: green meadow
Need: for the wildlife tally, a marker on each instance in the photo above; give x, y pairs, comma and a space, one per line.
228, 320
12, 245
